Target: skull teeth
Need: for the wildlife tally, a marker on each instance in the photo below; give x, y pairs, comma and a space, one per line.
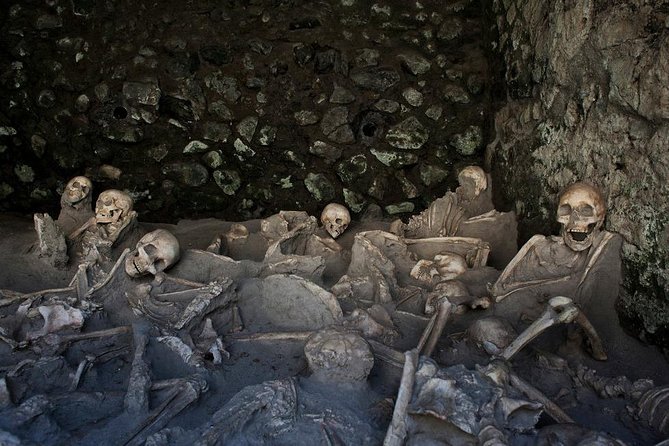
137, 268
579, 235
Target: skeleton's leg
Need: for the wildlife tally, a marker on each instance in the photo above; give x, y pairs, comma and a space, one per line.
178, 399
442, 316
397, 430
137, 397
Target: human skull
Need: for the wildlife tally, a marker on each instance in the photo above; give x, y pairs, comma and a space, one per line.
339, 355
581, 212
77, 190
335, 219
112, 206
155, 252
472, 181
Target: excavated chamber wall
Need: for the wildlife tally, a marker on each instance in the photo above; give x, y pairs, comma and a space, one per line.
239, 109
588, 88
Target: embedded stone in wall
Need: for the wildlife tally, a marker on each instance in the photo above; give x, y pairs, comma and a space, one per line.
356, 202
306, 117
215, 131
196, 146
469, 142
395, 159
434, 112
352, 168
213, 159
324, 150
320, 187
415, 64
376, 79
267, 135
143, 93
226, 86
387, 105
400, 208
247, 127
341, 95
228, 180
366, 57
409, 134
431, 175
190, 174
219, 109
242, 150
456, 94
335, 125
413, 97
408, 188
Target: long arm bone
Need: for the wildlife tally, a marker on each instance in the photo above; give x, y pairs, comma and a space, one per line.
560, 310
56, 340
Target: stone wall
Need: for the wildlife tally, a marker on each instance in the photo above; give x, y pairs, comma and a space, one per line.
588, 99
238, 109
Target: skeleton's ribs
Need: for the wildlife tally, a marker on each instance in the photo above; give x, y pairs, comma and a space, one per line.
560, 310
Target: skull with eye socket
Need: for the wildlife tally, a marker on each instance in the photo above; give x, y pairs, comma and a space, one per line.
155, 252
581, 212
77, 190
113, 206
335, 219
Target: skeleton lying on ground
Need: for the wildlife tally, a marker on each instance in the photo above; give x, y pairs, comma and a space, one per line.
331, 406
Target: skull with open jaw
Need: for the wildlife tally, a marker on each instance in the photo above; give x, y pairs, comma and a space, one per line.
581, 212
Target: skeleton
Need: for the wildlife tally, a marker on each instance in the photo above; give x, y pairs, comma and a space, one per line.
456, 406
569, 258
581, 212
154, 253
474, 194
335, 219
113, 212
304, 410
75, 204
